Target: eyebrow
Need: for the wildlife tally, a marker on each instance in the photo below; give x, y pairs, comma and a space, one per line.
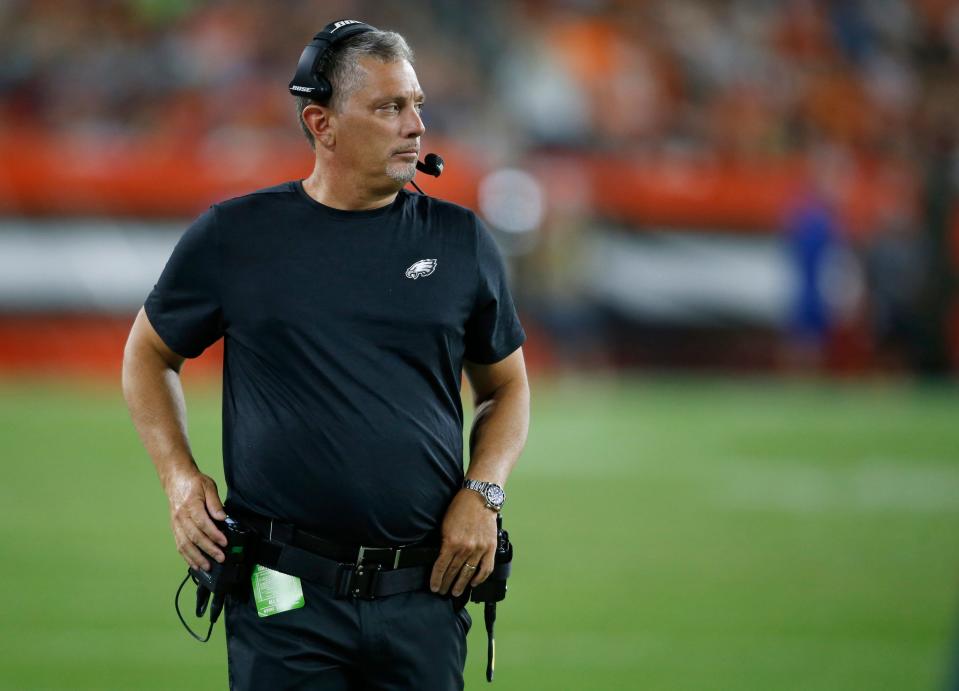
419, 96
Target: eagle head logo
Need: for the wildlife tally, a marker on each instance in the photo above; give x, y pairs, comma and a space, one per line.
423, 267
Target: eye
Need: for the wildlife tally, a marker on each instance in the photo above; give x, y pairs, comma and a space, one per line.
418, 107
390, 108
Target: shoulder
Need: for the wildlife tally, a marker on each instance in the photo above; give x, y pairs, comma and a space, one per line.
449, 215
260, 199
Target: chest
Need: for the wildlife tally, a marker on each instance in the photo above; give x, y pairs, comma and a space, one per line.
391, 278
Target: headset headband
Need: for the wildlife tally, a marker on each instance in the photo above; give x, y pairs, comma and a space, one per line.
308, 80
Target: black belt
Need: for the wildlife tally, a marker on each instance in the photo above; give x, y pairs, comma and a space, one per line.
358, 572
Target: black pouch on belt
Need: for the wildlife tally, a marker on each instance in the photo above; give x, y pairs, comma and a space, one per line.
493, 590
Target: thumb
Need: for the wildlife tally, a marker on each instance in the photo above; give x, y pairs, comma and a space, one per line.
213, 505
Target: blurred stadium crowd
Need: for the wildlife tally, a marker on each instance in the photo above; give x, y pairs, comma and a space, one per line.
743, 78
793, 162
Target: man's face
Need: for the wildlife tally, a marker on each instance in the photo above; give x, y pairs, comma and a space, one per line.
378, 128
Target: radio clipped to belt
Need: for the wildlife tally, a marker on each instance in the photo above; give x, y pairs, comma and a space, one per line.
493, 590
213, 586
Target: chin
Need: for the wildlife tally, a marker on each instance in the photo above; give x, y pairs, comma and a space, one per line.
401, 173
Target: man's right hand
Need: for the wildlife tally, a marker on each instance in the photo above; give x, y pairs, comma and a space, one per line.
193, 499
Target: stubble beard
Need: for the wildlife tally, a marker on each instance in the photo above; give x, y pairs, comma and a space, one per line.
401, 172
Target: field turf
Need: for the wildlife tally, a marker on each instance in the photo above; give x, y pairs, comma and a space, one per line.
670, 535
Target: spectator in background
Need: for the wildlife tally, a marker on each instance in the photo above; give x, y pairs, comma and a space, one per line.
895, 260
812, 242
939, 215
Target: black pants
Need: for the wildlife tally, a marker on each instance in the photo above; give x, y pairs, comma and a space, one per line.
408, 641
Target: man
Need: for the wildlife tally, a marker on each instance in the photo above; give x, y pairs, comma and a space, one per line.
349, 308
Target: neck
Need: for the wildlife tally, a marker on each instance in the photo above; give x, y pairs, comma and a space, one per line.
343, 189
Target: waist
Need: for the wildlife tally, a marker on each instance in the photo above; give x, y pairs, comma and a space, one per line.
388, 557
347, 502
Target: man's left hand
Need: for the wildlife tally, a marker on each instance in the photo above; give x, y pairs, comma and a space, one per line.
469, 540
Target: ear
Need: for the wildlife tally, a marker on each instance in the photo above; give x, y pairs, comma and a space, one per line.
320, 121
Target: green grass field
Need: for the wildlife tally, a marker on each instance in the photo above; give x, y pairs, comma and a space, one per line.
670, 534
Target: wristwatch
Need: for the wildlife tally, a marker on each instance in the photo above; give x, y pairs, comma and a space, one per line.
492, 493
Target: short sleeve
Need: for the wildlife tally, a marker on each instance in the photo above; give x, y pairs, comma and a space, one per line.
184, 306
493, 330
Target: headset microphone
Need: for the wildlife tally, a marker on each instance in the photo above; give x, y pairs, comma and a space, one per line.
432, 164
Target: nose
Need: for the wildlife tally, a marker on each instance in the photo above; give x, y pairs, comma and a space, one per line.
413, 124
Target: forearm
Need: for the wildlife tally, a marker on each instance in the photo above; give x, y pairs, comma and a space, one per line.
497, 437
500, 426
154, 396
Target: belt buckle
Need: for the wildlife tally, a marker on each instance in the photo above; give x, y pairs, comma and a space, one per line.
361, 580
363, 551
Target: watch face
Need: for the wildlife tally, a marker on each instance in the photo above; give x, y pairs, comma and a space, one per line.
495, 495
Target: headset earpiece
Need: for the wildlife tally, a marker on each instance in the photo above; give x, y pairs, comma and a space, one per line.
308, 80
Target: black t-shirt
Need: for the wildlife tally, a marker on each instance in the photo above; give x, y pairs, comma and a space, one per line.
345, 334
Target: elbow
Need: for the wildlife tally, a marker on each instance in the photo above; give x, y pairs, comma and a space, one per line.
131, 364
142, 359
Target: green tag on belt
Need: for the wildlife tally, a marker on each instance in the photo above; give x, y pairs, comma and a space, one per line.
275, 592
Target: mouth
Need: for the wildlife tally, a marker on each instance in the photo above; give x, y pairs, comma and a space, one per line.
408, 153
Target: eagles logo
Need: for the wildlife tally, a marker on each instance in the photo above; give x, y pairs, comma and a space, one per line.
424, 267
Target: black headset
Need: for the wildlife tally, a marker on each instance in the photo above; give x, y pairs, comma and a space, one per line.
309, 80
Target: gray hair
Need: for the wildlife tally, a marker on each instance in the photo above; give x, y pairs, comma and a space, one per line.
343, 72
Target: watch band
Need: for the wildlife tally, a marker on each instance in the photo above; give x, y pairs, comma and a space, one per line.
492, 494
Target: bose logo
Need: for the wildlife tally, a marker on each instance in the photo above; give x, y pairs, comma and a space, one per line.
340, 25
307, 89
